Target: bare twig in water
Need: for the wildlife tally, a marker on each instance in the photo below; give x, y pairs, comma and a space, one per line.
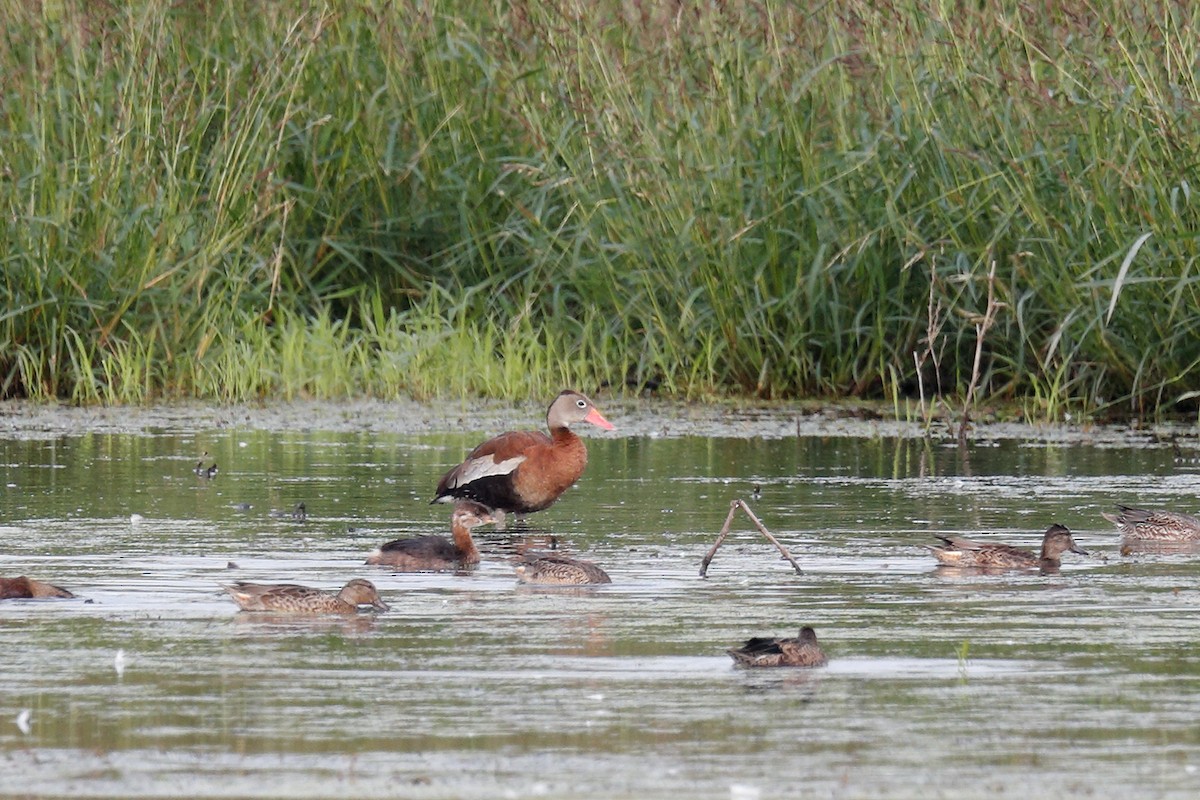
733, 507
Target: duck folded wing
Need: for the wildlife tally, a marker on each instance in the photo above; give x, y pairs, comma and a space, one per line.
494, 458
425, 546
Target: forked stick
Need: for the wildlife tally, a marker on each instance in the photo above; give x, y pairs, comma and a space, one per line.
733, 507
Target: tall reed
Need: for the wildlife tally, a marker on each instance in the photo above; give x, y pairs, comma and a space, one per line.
466, 196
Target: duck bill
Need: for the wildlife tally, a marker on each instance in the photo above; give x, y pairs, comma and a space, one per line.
380, 605
1079, 550
597, 419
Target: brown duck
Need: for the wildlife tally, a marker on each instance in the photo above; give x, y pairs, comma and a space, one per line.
291, 598
21, 587
437, 553
554, 569
525, 471
803, 651
1157, 526
956, 551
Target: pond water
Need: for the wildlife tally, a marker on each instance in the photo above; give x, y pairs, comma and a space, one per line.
1085, 682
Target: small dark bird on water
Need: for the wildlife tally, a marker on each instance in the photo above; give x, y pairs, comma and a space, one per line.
202, 471
297, 513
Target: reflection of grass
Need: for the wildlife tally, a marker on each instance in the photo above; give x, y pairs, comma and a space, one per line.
961, 651
750, 198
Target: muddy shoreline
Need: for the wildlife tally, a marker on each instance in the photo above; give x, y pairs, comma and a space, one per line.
632, 416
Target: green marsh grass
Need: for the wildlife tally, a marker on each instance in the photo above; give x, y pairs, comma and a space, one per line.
236, 201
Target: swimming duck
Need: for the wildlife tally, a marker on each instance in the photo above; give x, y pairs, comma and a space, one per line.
290, 598
525, 471
803, 651
1161, 526
202, 471
437, 553
959, 552
551, 568
298, 513
22, 587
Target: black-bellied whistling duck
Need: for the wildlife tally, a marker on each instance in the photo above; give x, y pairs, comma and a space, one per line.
803, 651
21, 587
553, 569
436, 553
290, 598
956, 551
525, 471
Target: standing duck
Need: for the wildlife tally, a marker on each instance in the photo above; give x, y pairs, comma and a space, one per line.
290, 598
1158, 526
437, 553
956, 551
24, 588
803, 651
525, 471
553, 569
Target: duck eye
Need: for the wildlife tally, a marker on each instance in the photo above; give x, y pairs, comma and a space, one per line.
581, 403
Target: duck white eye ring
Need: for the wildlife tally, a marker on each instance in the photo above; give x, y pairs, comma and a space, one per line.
581, 403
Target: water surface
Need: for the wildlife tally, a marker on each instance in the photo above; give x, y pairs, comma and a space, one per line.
940, 684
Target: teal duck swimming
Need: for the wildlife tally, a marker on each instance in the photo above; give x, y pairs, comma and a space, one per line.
297, 513
437, 553
21, 587
202, 471
957, 551
803, 651
291, 598
1159, 526
554, 569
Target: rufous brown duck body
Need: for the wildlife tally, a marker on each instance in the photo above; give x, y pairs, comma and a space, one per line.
521, 472
21, 588
436, 553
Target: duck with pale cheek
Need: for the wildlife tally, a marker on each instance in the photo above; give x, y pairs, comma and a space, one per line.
521, 472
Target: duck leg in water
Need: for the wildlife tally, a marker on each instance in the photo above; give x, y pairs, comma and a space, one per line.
733, 507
